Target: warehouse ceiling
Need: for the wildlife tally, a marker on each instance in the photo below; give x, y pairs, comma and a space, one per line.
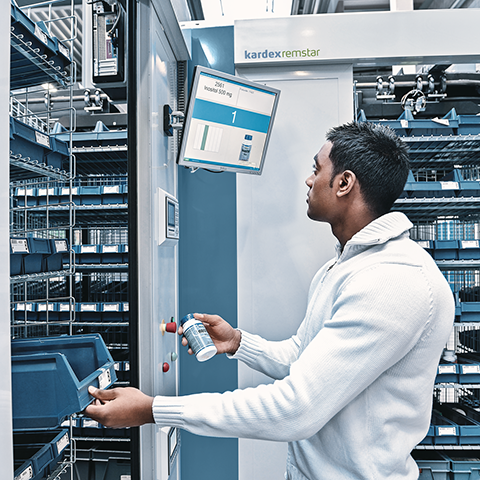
211, 10
464, 88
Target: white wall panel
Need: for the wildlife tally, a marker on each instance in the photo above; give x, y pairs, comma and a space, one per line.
279, 247
6, 451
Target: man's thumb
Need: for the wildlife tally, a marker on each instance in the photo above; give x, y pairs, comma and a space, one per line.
101, 394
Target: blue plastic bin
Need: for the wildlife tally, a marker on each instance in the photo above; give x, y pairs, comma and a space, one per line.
36, 454
446, 431
469, 250
432, 465
39, 249
429, 437
59, 250
468, 428
464, 465
87, 254
90, 195
447, 373
470, 311
113, 194
111, 253
51, 376
18, 250
445, 250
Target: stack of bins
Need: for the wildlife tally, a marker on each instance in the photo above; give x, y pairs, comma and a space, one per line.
101, 256
440, 199
48, 383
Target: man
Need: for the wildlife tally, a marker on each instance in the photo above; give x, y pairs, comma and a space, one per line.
353, 389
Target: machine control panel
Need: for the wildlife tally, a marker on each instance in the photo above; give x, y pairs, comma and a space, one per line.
168, 216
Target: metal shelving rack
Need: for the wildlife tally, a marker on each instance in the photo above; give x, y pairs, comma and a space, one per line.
101, 279
436, 150
41, 63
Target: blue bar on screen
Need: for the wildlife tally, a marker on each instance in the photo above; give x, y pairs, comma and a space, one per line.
231, 116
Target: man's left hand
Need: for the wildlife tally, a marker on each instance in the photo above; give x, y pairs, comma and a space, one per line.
120, 407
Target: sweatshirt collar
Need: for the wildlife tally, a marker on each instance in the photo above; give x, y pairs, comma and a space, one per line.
380, 230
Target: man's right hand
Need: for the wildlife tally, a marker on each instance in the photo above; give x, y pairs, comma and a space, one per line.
224, 336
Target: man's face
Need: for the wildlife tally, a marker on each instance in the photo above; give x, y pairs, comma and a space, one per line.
321, 196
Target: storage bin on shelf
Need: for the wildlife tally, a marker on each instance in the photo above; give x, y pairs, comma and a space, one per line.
432, 465
51, 376
445, 250
447, 373
469, 250
468, 427
37, 453
36, 261
36, 56
59, 251
37, 145
465, 371
18, 250
470, 312
446, 431
97, 460
464, 464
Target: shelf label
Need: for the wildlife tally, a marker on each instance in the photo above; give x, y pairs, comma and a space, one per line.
22, 307
89, 249
41, 35
447, 431
469, 243
104, 379
115, 307
447, 369
85, 307
61, 246
423, 243
110, 249
449, 185
42, 139
470, 368
62, 444
66, 307
114, 189
43, 307
64, 50
19, 245
26, 474
89, 423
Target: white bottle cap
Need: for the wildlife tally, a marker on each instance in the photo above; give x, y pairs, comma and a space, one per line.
206, 353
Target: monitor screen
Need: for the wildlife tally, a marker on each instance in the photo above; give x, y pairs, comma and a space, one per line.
228, 123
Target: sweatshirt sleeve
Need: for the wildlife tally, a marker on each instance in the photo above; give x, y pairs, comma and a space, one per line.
371, 328
271, 358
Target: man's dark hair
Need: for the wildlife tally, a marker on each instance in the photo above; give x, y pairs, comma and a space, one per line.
376, 156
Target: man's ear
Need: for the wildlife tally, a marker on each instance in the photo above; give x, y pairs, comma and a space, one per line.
346, 182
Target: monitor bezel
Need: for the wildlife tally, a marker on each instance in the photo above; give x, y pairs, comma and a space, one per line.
213, 166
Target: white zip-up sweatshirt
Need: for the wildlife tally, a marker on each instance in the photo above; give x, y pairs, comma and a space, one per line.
353, 389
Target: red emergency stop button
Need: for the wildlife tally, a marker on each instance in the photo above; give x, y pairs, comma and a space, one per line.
166, 367
171, 327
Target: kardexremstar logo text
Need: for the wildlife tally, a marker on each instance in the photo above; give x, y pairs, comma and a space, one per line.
306, 52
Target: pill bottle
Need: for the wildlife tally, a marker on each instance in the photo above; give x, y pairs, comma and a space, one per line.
198, 338
246, 147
